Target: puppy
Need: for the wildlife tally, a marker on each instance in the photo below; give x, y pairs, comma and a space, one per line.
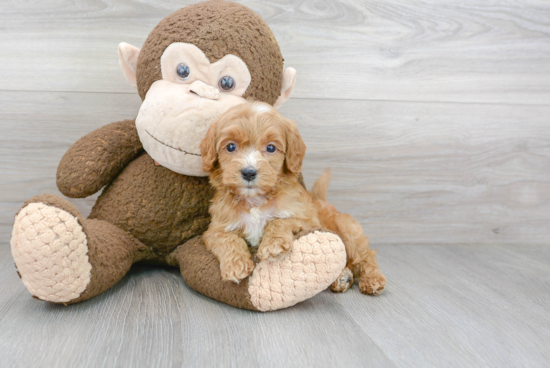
254, 156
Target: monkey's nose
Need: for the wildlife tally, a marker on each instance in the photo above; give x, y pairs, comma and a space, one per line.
249, 173
204, 90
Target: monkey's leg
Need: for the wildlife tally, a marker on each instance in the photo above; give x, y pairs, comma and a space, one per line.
313, 262
63, 258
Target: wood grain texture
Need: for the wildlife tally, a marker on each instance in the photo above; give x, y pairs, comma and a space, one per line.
350, 49
411, 173
434, 118
452, 306
152, 319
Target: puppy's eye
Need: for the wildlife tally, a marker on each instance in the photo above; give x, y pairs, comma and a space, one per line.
271, 148
226, 83
231, 147
183, 71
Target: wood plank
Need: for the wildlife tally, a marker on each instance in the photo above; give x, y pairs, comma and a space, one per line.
353, 49
433, 173
445, 306
411, 173
460, 306
38, 129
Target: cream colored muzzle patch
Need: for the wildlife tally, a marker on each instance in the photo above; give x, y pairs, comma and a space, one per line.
313, 263
51, 253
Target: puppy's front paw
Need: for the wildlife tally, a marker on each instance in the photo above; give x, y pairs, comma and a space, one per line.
237, 268
372, 283
273, 248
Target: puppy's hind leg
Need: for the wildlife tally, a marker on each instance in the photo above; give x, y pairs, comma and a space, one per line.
361, 259
343, 282
371, 280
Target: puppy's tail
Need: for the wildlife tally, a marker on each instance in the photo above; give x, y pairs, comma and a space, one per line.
320, 188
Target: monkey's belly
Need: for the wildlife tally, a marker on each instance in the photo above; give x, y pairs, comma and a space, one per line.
161, 208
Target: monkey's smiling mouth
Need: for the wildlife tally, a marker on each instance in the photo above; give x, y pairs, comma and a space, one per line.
174, 148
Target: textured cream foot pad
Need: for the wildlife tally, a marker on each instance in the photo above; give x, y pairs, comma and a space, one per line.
314, 262
51, 253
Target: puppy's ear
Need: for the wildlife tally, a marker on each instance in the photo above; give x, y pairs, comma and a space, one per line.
295, 148
208, 148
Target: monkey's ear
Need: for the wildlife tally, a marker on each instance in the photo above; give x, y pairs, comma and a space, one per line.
289, 79
128, 58
208, 148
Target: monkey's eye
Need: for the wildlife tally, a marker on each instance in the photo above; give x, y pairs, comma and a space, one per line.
226, 83
231, 147
271, 148
183, 71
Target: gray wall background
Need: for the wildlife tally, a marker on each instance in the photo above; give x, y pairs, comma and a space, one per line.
434, 117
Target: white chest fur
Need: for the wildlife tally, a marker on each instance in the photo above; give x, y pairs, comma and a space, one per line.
254, 221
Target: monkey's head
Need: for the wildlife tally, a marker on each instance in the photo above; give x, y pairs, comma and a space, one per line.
197, 63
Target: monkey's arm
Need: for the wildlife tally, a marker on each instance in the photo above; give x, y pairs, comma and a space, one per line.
97, 158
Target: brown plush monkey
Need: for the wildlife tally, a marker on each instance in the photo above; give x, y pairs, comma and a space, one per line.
194, 65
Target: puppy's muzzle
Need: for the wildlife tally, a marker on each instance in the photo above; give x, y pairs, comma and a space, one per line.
249, 173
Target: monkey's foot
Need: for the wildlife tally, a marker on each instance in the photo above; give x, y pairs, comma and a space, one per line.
50, 251
314, 261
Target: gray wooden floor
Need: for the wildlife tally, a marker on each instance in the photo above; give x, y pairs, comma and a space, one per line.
460, 306
436, 122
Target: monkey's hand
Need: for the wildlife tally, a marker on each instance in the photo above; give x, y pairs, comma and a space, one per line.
97, 158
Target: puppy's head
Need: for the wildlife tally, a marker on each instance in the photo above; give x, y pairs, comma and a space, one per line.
250, 148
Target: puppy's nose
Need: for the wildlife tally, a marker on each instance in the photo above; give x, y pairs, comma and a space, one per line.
248, 173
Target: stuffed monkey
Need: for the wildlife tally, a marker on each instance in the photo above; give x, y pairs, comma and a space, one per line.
195, 64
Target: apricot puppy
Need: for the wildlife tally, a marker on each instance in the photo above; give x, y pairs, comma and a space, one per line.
254, 156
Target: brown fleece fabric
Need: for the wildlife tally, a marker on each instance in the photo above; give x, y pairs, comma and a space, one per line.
111, 252
218, 28
201, 271
55, 201
159, 207
95, 159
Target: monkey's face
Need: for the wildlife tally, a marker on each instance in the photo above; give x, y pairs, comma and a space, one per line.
188, 74
179, 108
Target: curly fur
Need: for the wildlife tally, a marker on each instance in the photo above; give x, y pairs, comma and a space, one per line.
271, 209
